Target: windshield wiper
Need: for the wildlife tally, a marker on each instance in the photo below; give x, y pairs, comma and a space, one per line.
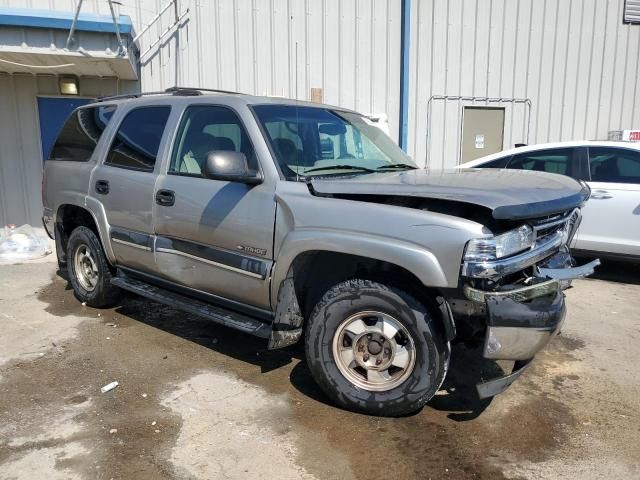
397, 166
338, 167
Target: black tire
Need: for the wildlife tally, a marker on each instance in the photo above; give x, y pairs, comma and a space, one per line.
349, 298
103, 294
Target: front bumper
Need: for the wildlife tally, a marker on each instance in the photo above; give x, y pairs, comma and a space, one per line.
521, 321
517, 331
500, 384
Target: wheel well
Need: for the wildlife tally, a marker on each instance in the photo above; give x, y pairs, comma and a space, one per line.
316, 271
68, 218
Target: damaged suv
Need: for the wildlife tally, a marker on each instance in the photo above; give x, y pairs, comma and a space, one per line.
291, 220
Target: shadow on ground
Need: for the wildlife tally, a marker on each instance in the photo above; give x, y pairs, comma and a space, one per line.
457, 396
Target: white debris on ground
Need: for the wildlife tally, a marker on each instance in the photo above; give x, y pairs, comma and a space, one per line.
22, 243
109, 387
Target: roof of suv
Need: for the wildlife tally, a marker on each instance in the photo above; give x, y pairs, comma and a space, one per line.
190, 95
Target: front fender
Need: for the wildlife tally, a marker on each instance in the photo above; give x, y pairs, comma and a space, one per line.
414, 258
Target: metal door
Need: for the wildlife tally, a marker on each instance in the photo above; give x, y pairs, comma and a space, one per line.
214, 236
482, 132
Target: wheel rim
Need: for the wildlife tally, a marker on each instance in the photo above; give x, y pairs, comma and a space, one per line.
374, 351
85, 268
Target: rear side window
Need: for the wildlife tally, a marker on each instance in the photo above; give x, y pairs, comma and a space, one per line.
137, 140
617, 165
81, 133
551, 161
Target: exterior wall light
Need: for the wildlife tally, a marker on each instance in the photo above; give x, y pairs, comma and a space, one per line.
69, 85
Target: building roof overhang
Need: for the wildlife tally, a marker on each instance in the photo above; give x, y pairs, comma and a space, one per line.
35, 41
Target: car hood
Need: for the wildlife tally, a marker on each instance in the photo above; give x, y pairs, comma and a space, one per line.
509, 194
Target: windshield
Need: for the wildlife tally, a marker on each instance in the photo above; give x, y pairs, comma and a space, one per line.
325, 142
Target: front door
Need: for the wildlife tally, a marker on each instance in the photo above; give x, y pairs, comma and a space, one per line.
216, 236
125, 184
482, 130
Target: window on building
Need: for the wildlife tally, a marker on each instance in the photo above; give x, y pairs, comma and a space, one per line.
617, 165
137, 140
204, 129
81, 133
552, 161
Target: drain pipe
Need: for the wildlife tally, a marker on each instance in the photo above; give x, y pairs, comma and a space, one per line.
405, 40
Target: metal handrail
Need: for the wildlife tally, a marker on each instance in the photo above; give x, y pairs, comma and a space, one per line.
471, 98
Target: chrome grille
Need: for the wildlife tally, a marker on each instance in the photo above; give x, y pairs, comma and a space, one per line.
567, 222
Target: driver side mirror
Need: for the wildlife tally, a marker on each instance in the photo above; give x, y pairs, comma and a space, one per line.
230, 166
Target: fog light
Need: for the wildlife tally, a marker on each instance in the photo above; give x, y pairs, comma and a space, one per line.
69, 85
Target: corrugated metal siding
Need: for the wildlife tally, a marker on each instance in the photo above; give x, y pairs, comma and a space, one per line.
20, 148
575, 60
349, 48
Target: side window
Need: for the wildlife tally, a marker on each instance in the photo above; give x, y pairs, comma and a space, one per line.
137, 140
205, 129
81, 133
552, 161
617, 165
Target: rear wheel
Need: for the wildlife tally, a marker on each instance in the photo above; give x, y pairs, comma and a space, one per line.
375, 349
89, 272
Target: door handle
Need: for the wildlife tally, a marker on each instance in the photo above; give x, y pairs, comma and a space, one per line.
166, 198
601, 195
102, 187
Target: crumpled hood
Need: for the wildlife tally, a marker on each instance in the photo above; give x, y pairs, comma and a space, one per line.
509, 194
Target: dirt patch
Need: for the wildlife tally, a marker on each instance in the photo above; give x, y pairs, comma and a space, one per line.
173, 369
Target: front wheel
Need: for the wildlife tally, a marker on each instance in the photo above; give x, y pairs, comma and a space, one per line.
375, 349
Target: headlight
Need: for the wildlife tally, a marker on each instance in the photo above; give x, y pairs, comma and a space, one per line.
513, 241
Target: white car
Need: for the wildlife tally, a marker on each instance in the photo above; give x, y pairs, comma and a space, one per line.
611, 218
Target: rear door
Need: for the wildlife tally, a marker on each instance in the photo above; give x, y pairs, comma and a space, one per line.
611, 217
125, 183
214, 236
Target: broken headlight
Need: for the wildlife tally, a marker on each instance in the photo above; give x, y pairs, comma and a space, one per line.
492, 248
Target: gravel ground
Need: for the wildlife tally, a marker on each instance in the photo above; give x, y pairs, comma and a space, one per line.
200, 401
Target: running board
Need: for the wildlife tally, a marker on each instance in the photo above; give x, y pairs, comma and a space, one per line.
217, 314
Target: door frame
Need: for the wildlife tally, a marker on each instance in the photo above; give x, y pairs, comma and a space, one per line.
461, 99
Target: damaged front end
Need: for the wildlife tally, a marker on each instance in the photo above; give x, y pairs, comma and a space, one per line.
513, 284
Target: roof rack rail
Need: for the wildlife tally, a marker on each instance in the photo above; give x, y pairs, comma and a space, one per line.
129, 95
188, 90
181, 91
